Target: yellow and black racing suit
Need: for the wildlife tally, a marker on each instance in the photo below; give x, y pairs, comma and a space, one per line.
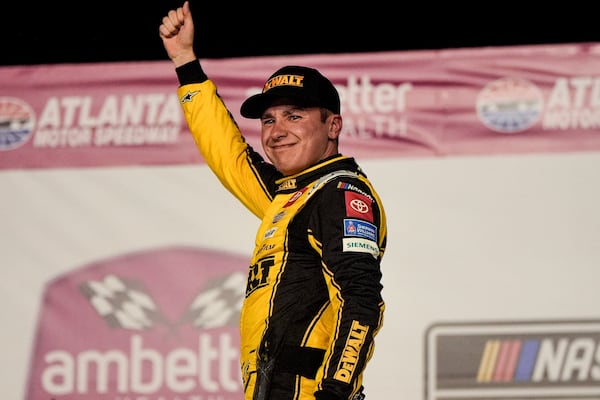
313, 301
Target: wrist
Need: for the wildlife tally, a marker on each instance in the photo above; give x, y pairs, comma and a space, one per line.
190, 72
183, 58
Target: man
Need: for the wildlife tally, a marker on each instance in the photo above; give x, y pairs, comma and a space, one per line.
313, 300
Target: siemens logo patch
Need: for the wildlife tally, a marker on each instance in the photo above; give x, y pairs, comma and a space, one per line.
557, 360
360, 245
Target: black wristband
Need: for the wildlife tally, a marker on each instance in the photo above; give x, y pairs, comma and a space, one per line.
190, 73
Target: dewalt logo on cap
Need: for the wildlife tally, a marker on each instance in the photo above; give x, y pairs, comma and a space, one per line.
284, 80
294, 85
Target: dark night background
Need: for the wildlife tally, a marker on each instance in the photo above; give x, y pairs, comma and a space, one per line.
81, 32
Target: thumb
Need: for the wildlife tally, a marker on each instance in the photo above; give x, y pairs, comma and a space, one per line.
187, 12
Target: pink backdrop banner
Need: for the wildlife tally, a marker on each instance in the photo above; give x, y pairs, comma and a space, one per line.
481, 101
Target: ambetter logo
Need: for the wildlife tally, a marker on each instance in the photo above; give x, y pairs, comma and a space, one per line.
161, 324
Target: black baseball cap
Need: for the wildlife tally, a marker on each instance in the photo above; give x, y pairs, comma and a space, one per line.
303, 86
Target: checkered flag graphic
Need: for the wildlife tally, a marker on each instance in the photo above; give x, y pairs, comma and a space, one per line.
122, 303
219, 304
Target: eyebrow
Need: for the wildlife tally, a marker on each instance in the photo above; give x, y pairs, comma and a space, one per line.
290, 110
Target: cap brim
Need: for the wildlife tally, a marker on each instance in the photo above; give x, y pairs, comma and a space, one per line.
254, 106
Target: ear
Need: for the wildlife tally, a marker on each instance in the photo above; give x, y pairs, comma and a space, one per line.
335, 126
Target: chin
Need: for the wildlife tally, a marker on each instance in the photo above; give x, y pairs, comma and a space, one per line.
289, 172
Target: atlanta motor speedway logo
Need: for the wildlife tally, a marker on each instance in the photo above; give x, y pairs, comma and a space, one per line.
17, 120
558, 360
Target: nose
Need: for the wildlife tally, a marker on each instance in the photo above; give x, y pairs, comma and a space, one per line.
278, 131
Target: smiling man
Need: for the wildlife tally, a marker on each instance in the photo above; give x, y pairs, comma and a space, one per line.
300, 118
313, 303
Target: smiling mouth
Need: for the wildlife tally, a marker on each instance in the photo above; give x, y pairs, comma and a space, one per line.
282, 146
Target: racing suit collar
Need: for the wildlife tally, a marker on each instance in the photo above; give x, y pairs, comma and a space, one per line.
336, 162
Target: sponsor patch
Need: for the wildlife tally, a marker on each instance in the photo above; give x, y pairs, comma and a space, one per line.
288, 184
351, 353
349, 186
295, 197
356, 227
284, 80
278, 216
358, 206
270, 233
189, 96
360, 245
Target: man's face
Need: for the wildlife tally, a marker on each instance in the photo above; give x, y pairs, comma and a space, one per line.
295, 138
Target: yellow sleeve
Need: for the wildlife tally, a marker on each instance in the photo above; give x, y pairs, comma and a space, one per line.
222, 145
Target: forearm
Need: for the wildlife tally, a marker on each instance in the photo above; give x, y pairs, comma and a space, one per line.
218, 138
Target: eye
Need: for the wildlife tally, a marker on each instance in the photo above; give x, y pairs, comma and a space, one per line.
267, 121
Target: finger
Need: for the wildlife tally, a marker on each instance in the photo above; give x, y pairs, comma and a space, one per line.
174, 20
180, 14
171, 23
176, 17
186, 13
166, 32
167, 28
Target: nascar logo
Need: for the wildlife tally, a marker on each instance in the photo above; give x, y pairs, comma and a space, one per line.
537, 360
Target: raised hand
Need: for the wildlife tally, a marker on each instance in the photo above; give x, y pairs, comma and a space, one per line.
177, 34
